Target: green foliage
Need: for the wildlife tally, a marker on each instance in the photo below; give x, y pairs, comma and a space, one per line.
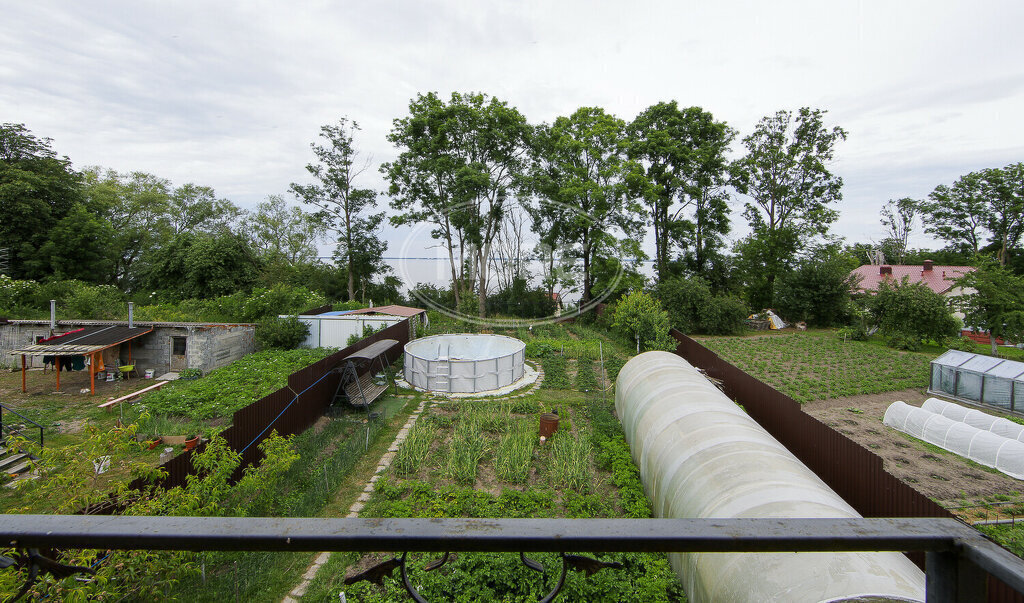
570, 461
465, 451
514, 453
520, 300
817, 291
203, 265
37, 190
997, 304
908, 314
229, 388
261, 303
818, 365
692, 308
638, 315
367, 331
415, 448
964, 344
281, 333
683, 158
67, 479
586, 378
785, 172
555, 375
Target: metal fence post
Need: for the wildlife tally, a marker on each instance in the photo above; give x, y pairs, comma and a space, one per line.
950, 578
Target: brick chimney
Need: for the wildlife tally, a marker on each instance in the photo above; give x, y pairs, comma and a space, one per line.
885, 270
928, 265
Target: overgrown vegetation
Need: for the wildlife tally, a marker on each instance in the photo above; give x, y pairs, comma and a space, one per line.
232, 387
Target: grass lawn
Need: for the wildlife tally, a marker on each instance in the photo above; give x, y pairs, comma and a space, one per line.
818, 365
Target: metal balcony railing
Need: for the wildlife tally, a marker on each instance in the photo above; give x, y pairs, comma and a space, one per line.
957, 556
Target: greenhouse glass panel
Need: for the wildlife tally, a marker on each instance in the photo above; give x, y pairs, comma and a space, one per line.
968, 386
997, 391
1018, 395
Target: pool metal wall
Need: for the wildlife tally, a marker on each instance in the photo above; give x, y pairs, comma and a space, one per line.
462, 375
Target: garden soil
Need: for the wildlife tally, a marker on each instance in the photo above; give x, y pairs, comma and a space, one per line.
942, 476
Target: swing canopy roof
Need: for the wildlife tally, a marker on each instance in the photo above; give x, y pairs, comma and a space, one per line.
84, 341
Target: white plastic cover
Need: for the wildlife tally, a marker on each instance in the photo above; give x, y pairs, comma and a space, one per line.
981, 446
700, 455
975, 418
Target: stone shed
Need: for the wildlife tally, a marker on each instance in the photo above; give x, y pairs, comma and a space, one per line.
171, 346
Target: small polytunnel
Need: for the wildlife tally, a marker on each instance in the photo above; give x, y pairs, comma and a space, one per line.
700, 455
976, 418
980, 446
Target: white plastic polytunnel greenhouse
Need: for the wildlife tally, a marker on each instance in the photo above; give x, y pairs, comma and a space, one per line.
976, 418
978, 378
701, 456
978, 445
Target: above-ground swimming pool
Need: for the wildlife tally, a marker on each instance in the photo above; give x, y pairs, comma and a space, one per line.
464, 363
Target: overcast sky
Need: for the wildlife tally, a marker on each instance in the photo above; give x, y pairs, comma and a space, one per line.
230, 95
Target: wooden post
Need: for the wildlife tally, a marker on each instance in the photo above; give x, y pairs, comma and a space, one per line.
92, 375
23, 373
57, 360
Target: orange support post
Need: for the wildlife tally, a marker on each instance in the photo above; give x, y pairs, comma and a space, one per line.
23, 373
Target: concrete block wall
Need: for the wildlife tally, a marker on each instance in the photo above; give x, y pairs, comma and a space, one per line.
207, 346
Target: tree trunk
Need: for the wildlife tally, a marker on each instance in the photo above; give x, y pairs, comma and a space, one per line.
351, 278
992, 341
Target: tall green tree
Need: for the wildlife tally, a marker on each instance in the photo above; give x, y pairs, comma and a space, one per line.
284, 234
460, 162
203, 265
1004, 191
996, 303
958, 214
195, 208
583, 168
37, 190
785, 172
682, 153
335, 193
136, 206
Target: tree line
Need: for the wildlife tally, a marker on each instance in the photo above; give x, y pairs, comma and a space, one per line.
589, 186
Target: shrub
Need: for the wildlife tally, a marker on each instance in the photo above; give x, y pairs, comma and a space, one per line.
638, 315
281, 333
818, 292
693, 309
908, 314
964, 344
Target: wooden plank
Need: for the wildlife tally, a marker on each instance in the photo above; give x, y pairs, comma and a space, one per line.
109, 405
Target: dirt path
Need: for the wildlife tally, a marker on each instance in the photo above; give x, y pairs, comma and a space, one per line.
942, 476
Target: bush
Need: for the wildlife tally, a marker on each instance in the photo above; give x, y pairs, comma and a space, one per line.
909, 314
693, 309
640, 317
817, 292
964, 344
521, 301
281, 333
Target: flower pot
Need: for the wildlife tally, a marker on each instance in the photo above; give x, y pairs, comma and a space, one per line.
154, 443
190, 444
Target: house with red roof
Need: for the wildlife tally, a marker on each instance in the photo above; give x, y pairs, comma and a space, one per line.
940, 279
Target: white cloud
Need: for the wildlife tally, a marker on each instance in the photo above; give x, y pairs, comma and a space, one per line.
231, 95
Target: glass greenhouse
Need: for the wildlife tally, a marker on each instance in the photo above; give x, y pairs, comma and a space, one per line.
977, 378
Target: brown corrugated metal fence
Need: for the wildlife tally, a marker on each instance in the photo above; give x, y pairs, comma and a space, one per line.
854, 472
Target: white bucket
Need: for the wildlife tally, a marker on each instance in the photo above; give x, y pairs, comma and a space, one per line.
150, 373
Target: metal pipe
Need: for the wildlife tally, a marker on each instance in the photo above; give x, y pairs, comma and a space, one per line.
131, 315
53, 315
